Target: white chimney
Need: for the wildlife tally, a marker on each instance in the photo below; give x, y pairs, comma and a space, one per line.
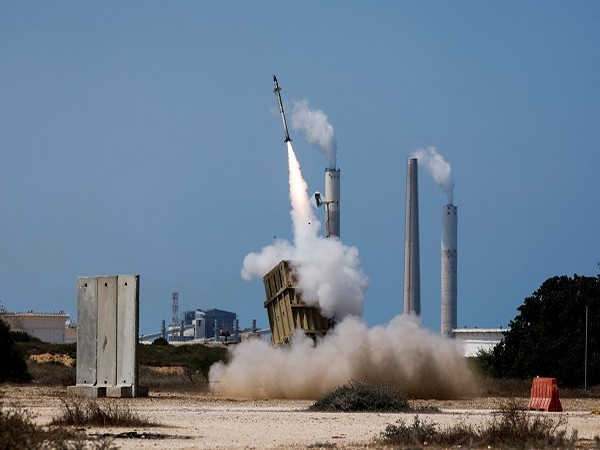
332, 202
449, 270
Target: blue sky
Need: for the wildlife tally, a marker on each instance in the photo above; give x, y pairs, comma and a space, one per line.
142, 137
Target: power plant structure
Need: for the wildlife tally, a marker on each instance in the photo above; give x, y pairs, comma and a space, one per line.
412, 276
332, 202
175, 312
449, 270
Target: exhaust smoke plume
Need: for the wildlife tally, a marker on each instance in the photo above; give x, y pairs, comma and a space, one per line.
317, 129
422, 363
438, 168
328, 271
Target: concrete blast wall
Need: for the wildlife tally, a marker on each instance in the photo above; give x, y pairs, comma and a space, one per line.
107, 337
412, 277
332, 202
449, 270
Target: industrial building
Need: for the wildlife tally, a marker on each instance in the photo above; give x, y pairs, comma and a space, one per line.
54, 328
474, 340
210, 323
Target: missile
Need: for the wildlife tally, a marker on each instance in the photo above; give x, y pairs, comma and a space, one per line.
277, 92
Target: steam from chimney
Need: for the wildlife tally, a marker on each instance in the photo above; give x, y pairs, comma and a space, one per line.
318, 130
438, 168
328, 271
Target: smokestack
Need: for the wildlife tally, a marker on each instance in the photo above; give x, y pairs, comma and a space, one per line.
332, 202
449, 270
412, 277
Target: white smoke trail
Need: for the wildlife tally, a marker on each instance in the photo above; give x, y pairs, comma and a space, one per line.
328, 271
439, 169
424, 364
316, 127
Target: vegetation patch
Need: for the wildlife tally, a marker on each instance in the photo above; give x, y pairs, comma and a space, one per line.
18, 431
52, 374
548, 336
362, 396
511, 427
90, 412
13, 367
190, 365
53, 358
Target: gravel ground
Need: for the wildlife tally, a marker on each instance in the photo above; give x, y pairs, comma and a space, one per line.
197, 421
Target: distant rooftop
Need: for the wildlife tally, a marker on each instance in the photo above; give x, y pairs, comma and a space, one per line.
3, 312
479, 330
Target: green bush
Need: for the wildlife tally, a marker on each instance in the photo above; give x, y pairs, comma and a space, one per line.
196, 357
13, 367
35, 346
547, 337
21, 336
160, 341
52, 374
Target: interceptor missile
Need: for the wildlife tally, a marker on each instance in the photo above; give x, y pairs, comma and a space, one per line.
277, 91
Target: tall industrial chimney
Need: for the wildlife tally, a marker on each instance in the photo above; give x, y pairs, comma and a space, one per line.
449, 270
412, 277
332, 202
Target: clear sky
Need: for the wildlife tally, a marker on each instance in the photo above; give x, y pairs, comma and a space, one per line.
142, 137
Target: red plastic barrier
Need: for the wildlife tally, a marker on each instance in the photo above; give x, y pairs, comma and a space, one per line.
544, 395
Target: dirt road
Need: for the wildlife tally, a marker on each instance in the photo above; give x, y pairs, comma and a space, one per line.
197, 421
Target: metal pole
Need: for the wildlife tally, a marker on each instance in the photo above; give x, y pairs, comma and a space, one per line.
586, 350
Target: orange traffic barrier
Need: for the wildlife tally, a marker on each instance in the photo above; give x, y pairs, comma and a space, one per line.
544, 395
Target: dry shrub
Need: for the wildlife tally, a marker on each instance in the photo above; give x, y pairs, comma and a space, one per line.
363, 396
90, 412
52, 374
511, 427
505, 387
183, 379
18, 431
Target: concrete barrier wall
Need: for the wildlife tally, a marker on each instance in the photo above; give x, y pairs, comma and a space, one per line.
108, 324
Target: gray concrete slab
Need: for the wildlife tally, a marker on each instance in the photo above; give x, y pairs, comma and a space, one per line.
87, 327
107, 331
127, 330
87, 391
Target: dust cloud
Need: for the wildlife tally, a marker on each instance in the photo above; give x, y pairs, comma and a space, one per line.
424, 364
402, 353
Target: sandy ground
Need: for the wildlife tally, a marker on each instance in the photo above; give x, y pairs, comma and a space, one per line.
197, 421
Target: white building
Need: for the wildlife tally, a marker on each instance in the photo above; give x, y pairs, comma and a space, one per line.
475, 339
48, 327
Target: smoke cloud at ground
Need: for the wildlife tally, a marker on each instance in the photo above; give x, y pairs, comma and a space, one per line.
439, 169
317, 129
423, 364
